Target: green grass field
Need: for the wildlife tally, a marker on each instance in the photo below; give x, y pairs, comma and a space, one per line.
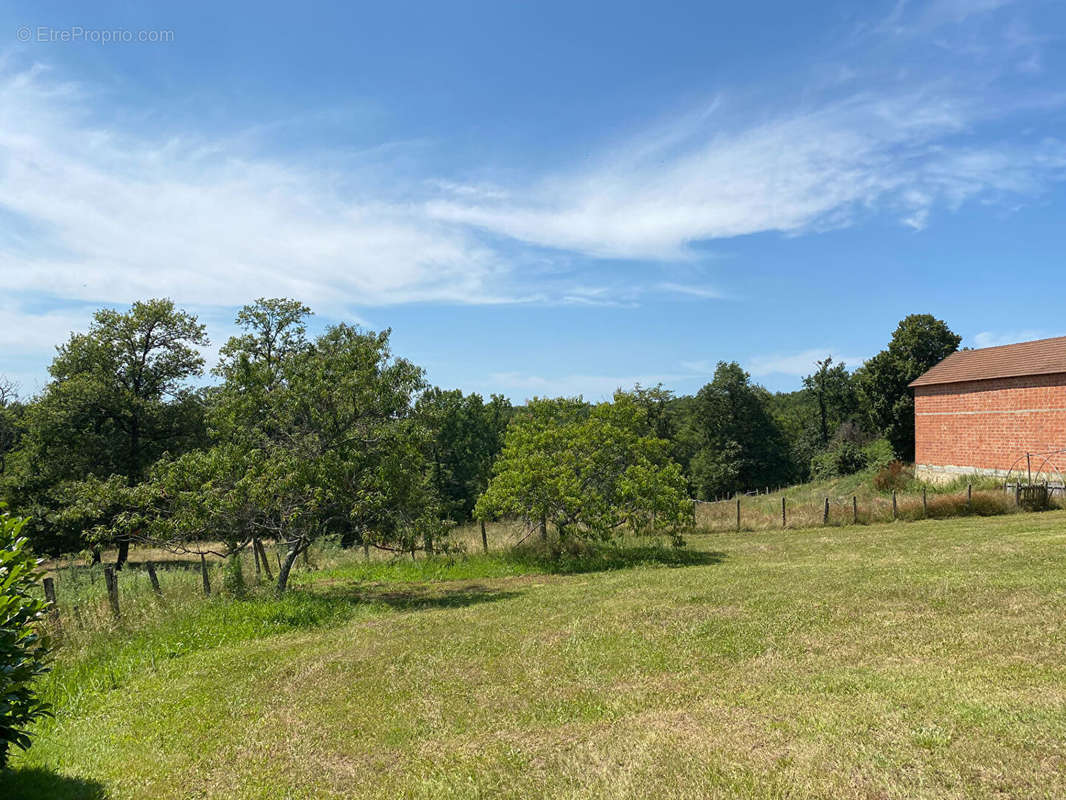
906, 660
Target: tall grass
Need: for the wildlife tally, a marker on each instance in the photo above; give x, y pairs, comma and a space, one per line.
805, 504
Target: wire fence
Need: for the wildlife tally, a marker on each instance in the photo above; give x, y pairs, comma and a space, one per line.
769, 510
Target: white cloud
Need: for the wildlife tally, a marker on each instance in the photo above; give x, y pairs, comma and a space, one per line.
95, 213
806, 170
798, 364
704, 292
998, 338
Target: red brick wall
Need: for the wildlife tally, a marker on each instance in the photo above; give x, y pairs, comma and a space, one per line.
989, 424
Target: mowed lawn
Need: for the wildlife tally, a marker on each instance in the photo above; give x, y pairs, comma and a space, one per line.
911, 660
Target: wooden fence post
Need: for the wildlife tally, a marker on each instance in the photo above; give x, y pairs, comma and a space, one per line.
203, 574
738, 512
263, 558
854, 510
484, 538
50, 596
825, 513
969, 497
925, 504
895, 508
153, 578
255, 556
784, 518
112, 589
1018, 493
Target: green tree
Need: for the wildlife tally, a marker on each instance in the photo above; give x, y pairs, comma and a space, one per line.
737, 443
11, 422
274, 329
118, 399
834, 395
23, 652
918, 343
317, 437
590, 473
656, 402
465, 437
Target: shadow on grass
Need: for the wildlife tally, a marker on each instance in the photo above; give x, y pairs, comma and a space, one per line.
43, 784
606, 557
411, 597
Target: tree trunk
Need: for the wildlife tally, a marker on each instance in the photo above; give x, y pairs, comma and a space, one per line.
96, 555
286, 565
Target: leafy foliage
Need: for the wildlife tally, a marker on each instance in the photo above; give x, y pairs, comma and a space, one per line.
11, 423
834, 395
843, 457
22, 649
118, 400
736, 443
589, 472
465, 437
918, 343
314, 438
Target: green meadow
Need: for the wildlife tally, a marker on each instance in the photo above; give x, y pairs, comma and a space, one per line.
918, 659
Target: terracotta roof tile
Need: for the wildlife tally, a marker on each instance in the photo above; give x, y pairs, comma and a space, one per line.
1042, 357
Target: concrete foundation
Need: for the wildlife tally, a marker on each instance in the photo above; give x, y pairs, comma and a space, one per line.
936, 474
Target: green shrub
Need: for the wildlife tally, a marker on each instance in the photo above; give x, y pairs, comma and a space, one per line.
22, 648
233, 577
878, 454
843, 457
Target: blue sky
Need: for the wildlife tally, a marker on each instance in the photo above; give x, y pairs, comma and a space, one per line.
541, 198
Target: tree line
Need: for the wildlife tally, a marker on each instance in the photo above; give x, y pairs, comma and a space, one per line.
302, 436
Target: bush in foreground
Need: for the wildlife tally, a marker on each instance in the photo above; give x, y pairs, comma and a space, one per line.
22, 650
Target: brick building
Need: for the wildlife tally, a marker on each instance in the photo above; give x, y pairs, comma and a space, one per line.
980, 411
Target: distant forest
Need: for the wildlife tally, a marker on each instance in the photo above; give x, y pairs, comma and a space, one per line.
335, 434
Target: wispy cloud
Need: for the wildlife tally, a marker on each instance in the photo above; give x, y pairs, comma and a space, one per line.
704, 292
798, 364
997, 338
95, 208
94, 212
808, 169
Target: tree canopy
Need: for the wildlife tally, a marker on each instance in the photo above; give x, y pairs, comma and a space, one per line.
734, 439
918, 343
588, 472
118, 400
305, 435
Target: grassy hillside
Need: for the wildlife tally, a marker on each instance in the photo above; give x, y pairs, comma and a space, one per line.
856, 496
882, 661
